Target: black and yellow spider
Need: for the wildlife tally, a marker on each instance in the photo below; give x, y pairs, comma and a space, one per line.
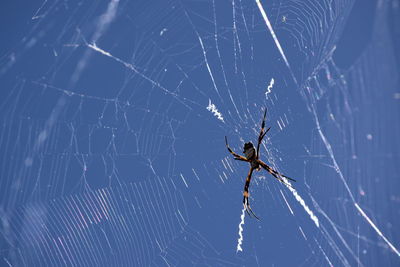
255, 164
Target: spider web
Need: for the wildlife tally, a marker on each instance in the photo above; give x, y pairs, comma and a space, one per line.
113, 117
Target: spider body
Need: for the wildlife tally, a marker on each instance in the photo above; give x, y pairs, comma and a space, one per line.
250, 152
252, 156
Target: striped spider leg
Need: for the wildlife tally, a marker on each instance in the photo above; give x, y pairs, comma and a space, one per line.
252, 156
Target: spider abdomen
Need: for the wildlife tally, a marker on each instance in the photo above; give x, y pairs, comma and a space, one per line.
249, 151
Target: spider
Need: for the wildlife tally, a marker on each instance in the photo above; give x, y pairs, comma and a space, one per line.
252, 157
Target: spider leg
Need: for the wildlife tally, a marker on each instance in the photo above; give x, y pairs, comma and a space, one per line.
249, 211
262, 133
245, 206
246, 203
236, 156
276, 174
255, 216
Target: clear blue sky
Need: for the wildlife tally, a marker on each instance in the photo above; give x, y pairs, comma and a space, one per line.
113, 117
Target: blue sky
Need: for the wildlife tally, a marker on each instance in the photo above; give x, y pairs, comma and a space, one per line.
113, 121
